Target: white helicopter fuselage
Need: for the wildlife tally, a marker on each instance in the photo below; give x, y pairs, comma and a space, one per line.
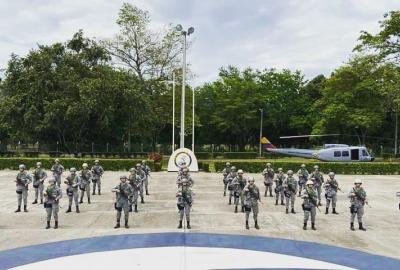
332, 152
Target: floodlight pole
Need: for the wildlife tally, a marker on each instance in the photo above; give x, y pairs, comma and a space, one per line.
182, 143
173, 112
261, 125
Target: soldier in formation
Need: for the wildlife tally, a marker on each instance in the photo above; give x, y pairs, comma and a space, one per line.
73, 182
280, 178
86, 177
310, 204
146, 170
268, 174
331, 188
226, 172
142, 175
290, 191
358, 198
53, 195
57, 170
97, 172
22, 180
184, 197
230, 178
39, 175
238, 183
318, 182
251, 194
302, 174
123, 192
135, 182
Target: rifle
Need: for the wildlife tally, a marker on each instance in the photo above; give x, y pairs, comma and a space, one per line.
314, 202
361, 198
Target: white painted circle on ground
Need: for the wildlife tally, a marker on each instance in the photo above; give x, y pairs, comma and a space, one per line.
193, 258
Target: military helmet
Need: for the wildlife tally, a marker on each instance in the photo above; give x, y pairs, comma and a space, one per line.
56, 160
39, 163
240, 171
51, 179
143, 161
280, 170
268, 164
96, 161
72, 169
358, 181
331, 174
233, 168
123, 177
316, 167
228, 164
132, 170
84, 165
290, 172
303, 165
309, 182
186, 169
138, 165
21, 166
251, 179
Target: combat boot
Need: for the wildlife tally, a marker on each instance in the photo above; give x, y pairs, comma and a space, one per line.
230, 200
117, 225
56, 225
81, 201
270, 194
130, 208
352, 226
142, 201
313, 227
147, 192
334, 211
256, 225
276, 202
99, 192
247, 225
48, 225
236, 209
293, 212
305, 226
287, 211
360, 227
188, 225
282, 203
88, 200
18, 209
41, 201
25, 209
180, 224
326, 210
224, 193
69, 210
77, 209
265, 194
319, 203
93, 193
126, 224
35, 201
136, 208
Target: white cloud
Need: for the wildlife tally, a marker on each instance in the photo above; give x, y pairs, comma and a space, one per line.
311, 35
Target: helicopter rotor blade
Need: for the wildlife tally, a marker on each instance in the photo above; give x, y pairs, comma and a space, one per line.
307, 136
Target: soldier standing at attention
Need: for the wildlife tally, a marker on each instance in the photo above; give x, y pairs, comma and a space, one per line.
290, 191
226, 172
358, 198
135, 182
230, 178
123, 193
86, 177
142, 176
73, 182
318, 182
251, 194
57, 170
97, 171
39, 175
185, 201
331, 187
22, 180
53, 194
280, 177
268, 174
242, 183
146, 170
303, 177
309, 197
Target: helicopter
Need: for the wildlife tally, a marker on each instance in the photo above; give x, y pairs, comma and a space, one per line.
329, 152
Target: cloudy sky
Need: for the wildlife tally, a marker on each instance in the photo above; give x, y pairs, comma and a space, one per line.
314, 36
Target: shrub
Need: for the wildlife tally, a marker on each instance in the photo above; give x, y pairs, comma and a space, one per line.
205, 167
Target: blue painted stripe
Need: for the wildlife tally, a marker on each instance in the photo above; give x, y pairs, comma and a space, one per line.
337, 255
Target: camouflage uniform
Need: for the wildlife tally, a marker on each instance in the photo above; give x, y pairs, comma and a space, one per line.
146, 170
123, 193
135, 182
268, 174
57, 170
23, 180
238, 183
184, 202
53, 194
303, 177
226, 172
251, 194
142, 177
358, 198
73, 182
318, 182
331, 187
230, 178
39, 175
280, 178
86, 177
309, 205
290, 191
97, 172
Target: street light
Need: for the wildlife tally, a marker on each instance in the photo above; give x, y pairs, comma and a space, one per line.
190, 31
261, 125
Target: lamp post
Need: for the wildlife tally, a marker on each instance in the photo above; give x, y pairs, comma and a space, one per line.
261, 125
184, 34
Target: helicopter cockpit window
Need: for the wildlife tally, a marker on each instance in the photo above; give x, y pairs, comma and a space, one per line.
364, 153
337, 154
345, 153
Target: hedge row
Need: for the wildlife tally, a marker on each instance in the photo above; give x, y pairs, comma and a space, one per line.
205, 167
236, 155
337, 167
108, 164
